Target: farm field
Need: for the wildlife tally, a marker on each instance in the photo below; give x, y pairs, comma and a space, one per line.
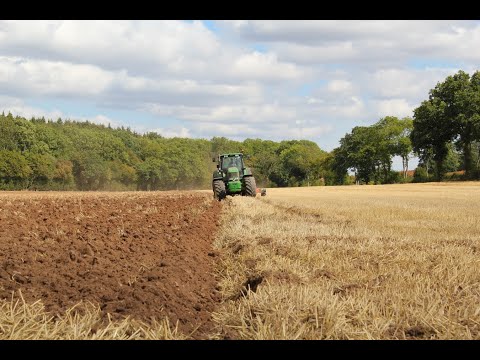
141, 255
351, 262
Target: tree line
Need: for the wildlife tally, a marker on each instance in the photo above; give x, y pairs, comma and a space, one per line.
449, 122
444, 134
70, 155
43, 154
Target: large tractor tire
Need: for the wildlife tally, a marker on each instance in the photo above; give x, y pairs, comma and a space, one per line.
219, 192
250, 186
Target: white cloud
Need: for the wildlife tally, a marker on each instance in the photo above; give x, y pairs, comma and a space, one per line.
263, 130
18, 108
29, 77
237, 24
41, 77
312, 100
393, 107
260, 66
236, 132
318, 54
181, 131
102, 120
342, 86
112, 44
273, 113
409, 83
352, 107
157, 49
336, 102
318, 31
373, 41
300, 131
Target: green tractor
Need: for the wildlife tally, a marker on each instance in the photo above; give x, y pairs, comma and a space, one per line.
232, 177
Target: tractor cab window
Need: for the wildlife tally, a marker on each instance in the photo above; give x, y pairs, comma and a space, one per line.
229, 162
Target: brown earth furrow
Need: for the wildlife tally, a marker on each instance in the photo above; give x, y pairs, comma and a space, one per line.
143, 255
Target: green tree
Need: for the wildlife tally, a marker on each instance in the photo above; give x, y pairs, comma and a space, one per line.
302, 162
43, 167
452, 113
395, 136
476, 156
24, 134
452, 162
432, 131
360, 154
467, 104
153, 174
221, 145
261, 156
91, 172
14, 170
457, 94
63, 174
8, 140
339, 164
123, 174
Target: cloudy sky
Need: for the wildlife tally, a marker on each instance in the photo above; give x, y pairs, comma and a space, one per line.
273, 80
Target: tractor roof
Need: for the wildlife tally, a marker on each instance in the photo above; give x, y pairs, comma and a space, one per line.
231, 154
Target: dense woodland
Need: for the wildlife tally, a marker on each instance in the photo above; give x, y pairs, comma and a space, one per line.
69, 155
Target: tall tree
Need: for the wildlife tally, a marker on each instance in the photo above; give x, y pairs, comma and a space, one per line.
457, 94
395, 137
359, 150
302, 162
467, 111
14, 170
452, 113
432, 131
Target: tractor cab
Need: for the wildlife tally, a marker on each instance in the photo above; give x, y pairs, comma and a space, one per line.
231, 164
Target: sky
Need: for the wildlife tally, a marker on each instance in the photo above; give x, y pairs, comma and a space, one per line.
276, 80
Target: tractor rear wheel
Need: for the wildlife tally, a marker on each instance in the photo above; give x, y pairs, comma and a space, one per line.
250, 186
219, 192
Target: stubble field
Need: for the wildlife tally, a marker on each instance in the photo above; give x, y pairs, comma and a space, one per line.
352, 262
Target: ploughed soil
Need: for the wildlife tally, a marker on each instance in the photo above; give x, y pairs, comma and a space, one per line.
144, 255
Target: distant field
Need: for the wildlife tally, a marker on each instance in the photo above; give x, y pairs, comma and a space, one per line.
352, 262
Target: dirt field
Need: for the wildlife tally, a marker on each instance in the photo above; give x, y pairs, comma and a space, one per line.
141, 255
